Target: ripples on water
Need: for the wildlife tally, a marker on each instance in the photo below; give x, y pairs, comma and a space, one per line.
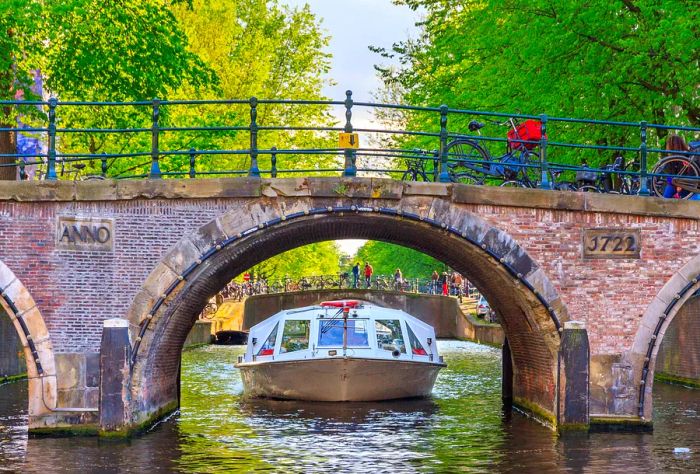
461, 428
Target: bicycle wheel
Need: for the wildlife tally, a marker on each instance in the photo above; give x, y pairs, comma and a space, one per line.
512, 183
464, 178
673, 165
588, 188
467, 158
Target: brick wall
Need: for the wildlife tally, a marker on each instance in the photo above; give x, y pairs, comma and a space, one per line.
77, 290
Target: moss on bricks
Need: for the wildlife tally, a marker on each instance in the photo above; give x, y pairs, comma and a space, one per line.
619, 423
142, 427
12, 378
677, 380
64, 431
535, 411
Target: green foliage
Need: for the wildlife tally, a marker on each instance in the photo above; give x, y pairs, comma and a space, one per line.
628, 60
385, 258
321, 258
136, 50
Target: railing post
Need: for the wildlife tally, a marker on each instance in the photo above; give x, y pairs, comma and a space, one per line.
350, 155
254, 171
545, 183
103, 164
643, 188
51, 165
436, 162
193, 159
444, 175
273, 161
155, 133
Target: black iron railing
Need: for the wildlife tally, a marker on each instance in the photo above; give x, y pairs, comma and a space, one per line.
256, 146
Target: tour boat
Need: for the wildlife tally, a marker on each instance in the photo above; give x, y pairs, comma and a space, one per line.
340, 351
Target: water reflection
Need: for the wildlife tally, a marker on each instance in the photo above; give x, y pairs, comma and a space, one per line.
462, 428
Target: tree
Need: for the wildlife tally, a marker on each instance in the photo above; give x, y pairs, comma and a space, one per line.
627, 60
92, 50
263, 49
385, 258
321, 258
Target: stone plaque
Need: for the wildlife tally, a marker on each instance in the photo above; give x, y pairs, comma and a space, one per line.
611, 243
85, 233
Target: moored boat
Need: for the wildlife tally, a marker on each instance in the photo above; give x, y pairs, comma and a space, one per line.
340, 351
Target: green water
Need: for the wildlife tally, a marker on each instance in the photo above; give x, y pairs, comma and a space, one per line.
460, 429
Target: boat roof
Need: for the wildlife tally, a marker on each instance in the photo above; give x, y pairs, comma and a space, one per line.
362, 310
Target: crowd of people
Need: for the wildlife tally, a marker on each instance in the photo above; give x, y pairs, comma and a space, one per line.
445, 283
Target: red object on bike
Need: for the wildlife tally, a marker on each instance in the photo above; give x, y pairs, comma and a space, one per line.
340, 304
530, 130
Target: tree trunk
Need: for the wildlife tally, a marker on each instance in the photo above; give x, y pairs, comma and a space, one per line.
7, 145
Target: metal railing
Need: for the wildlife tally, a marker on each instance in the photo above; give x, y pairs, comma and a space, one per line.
155, 154
343, 281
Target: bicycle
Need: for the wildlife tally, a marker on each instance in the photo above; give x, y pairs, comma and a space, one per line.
518, 166
685, 170
415, 170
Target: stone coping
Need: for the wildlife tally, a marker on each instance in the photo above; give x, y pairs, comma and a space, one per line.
337, 187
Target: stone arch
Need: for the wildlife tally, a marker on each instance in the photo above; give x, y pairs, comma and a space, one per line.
655, 321
19, 305
200, 264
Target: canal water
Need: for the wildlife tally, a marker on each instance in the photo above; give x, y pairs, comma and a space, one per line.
460, 429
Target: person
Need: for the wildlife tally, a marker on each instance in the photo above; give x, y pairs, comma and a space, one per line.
355, 274
368, 274
675, 143
445, 281
434, 282
458, 285
398, 279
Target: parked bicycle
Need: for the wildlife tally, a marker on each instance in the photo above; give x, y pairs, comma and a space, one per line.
518, 166
611, 179
684, 167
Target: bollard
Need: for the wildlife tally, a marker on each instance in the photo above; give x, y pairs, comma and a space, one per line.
115, 352
573, 380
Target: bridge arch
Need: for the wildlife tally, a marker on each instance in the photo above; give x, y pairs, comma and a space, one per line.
18, 304
656, 319
200, 264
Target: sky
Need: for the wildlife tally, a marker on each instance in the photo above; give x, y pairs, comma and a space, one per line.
353, 26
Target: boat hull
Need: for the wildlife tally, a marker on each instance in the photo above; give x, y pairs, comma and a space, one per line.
339, 379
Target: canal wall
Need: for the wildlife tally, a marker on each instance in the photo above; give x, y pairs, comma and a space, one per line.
678, 360
200, 334
443, 313
12, 363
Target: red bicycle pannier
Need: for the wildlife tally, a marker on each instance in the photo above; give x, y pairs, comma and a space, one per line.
530, 130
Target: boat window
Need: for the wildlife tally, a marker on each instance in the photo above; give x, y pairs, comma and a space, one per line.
389, 336
269, 347
416, 346
295, 336
330, 333
357, 332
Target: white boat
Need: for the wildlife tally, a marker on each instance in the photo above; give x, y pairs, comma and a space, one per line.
340, 351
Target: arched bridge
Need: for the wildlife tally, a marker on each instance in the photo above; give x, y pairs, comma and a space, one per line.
147, 255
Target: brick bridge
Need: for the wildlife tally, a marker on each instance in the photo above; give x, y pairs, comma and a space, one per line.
74, 255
